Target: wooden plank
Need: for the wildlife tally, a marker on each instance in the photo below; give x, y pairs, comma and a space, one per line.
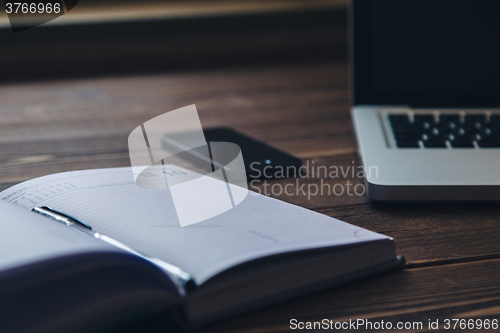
254, 100
461, 291
431, 232
58, 126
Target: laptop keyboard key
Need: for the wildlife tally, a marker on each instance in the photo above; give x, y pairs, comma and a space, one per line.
495, 119
421, 118
407, 144
408, 136
407, 128
434, 144
448, 123
461, 142
489, 141
398, 119
494, 124
448, 127
446, 118
434, 140
469, 118
488, 144
474, 122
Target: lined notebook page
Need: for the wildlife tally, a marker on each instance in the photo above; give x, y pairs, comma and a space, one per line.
146, 220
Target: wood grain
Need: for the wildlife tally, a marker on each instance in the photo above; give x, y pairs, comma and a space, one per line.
430, 234
85, 123
450, 291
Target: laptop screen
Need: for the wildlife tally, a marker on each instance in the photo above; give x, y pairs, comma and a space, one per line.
426, 53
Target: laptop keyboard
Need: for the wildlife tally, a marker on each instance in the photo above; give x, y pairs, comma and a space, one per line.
447, 130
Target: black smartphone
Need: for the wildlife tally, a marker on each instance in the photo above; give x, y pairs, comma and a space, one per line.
261, 160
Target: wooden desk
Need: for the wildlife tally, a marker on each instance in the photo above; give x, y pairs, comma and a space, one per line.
453, 250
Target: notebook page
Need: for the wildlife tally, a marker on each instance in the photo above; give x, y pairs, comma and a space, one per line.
28, 238
146, 220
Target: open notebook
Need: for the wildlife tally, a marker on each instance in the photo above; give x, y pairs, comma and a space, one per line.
258, 253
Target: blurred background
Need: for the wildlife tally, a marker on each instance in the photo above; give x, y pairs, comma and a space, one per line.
113, 37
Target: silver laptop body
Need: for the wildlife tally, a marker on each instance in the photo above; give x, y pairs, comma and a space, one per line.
426, 98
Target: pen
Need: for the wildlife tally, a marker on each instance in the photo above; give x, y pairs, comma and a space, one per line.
184, 279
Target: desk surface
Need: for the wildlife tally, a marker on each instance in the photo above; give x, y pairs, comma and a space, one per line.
453, 250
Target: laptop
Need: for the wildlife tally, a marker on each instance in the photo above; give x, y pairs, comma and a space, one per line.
425, 79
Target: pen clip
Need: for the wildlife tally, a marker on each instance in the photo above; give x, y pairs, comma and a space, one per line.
185, 280
60, 217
